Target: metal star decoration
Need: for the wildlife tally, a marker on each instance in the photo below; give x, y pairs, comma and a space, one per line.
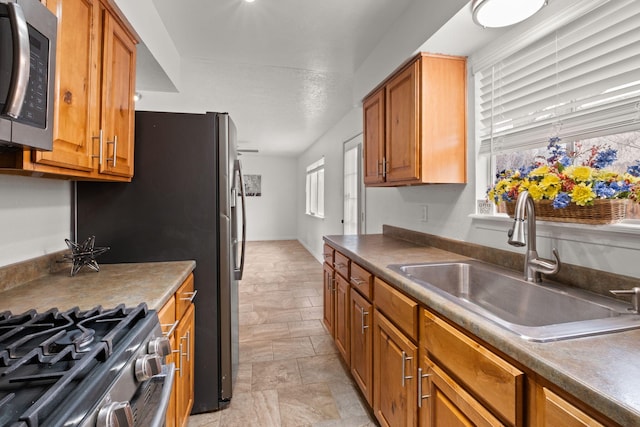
84, 254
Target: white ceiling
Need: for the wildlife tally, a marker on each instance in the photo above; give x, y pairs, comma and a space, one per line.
283, 69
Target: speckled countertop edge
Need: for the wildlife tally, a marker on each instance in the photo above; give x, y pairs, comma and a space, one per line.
599, 370
130, 284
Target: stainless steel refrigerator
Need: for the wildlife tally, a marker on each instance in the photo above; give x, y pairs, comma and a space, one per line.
186, 201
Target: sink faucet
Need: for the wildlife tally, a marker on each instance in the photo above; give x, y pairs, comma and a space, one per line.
635, 298
533, 264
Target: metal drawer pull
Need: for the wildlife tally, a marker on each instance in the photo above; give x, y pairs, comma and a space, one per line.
421, 397
339, 265
191, 296
362, 314
172, 328
405, 358
357, 281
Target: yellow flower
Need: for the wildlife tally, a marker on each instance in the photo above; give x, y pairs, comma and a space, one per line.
605, 175
582, 194
540, 171
631, 178
550, 185
579, 173
535, 191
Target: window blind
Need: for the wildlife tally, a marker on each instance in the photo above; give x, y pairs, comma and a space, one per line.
580, 81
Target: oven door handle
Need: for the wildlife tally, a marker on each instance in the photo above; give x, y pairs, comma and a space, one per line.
168, 371
21, 60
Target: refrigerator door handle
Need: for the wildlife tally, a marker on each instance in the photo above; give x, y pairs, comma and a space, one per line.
240, 269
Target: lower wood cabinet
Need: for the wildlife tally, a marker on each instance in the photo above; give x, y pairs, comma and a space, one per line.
177, 318
342, 325
328, 293
554, 411
361, 312
395, 389
185, 364
443, 402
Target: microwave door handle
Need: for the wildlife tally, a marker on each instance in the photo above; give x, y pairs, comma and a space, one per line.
240, 269
21, 59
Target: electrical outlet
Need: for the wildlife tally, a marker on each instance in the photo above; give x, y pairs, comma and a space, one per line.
424, 213
485, 207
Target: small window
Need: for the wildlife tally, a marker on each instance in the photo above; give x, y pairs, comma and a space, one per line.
315, 189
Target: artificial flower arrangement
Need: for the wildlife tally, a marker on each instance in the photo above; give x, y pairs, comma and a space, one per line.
557, 178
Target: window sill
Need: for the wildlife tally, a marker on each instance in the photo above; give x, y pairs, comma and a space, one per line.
623, 235
314, 216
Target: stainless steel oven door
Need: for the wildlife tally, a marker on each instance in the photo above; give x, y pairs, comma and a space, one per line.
150, 407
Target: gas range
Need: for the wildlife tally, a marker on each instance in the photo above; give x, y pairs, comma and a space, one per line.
98, 367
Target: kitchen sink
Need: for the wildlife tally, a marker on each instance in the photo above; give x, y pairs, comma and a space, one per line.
541, 312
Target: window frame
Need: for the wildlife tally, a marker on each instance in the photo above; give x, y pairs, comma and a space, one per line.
314, 189
507, 45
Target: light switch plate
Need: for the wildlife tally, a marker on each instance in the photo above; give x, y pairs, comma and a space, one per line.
485, 207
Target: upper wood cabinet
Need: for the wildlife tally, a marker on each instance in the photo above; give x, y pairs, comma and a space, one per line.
415, 124
93, 118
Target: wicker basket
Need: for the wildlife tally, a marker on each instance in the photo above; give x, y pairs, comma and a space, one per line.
603, 211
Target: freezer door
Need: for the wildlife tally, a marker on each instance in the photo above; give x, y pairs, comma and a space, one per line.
228, 284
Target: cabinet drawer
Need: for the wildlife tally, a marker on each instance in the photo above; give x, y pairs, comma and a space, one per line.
400, 309
184, 296
327, 254
488, 377
361, 280
167, 316
341, 264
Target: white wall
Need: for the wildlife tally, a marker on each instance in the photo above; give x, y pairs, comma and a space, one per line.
272, 216
35, 217
330, 145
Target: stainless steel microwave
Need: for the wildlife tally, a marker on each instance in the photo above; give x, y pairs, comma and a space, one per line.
27, 73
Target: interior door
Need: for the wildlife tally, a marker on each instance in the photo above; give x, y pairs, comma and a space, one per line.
353, 194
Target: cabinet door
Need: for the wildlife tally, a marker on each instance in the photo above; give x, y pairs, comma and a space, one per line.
76, 85
117, 107
395, 360
185, 338
402, 120
342, 326
167, 317
444, 403
361, 312
328, 316
374, 120
555, 411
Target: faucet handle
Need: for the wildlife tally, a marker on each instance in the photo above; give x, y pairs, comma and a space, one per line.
635, 297
546, 266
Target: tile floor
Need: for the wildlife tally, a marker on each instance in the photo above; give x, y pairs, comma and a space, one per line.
290, 372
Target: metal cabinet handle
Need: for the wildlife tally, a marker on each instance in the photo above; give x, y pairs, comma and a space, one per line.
114, 159
357, 281
362, 314
421, 397
339, 265
385, 167
405, 358
191, 296
188, 338
171, 326
179, 361
100, 145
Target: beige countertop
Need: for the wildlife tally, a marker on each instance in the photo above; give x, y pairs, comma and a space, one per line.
601, 371
129, 284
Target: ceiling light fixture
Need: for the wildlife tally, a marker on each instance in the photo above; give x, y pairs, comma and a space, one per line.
502, 13
249, 1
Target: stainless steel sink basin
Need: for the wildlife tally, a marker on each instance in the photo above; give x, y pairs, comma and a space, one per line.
537, 312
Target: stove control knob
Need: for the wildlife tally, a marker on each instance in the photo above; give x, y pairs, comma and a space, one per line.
116, 414
147, 366
160, 346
